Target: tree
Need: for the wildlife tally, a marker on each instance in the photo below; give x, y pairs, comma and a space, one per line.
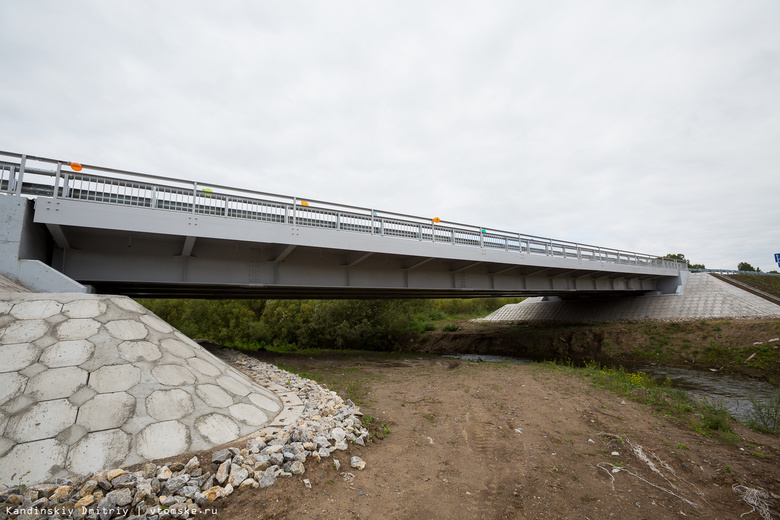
681, 258
744, 266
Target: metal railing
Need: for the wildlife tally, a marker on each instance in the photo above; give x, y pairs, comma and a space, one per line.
170, 194
731, 271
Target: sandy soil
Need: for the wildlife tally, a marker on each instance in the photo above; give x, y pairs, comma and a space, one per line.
482, 440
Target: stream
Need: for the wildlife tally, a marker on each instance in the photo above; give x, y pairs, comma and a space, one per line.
733, 392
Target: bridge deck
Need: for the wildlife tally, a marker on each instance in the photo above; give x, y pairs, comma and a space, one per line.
177, 231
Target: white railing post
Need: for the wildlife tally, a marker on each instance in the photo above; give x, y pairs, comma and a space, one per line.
372, 221
57, 179
20, 176
194, 195
295, 209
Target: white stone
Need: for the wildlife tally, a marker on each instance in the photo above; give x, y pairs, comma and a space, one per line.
165, 405
125, 303
216, 428
82, 395
11, 385
204, 367
127, 329
265, 402
115, 378
42, 420
134, 351
99, 450
23, 331
77, 329
231, 384
214, 396
5, 445
71, 435
91, 308
173, 375
161, 440
56, 383
249, 414
32, 462
357, 463
5, 307
106, 411
17, 357
177, 348
36, 310
156, 323
33, 370
67, 353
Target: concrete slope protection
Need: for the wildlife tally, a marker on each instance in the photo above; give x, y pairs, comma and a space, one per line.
91, 382
705, 297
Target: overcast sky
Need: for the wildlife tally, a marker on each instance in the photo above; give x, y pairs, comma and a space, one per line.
651, 126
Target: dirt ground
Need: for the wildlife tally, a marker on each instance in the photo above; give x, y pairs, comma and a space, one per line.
471, 440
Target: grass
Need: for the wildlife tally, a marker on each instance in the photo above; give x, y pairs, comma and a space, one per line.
768, 284
765, 417
350, 383
708, 418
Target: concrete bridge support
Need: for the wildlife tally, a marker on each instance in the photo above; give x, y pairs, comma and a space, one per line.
26, 249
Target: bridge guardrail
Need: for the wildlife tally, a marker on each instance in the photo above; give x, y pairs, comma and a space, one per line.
181, 195
731, 271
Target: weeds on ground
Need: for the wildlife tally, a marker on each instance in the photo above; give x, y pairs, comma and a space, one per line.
765, 417
709, 418
712, 418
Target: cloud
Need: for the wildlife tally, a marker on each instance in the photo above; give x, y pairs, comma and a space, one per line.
649, 126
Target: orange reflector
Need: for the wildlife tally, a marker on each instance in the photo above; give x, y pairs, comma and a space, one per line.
304, 203
436, 219
76, 167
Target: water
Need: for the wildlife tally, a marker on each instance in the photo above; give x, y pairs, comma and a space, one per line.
733, 392
490, 359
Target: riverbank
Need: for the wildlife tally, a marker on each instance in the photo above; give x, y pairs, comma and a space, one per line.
745, 347
456, 439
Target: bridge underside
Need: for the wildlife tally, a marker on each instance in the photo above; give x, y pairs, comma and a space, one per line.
121, 251
141, 252
153, 265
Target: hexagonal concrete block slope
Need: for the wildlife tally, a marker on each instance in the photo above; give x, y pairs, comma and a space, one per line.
89, 382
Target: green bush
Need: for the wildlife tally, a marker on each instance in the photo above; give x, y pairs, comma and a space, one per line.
340, 324
765, 417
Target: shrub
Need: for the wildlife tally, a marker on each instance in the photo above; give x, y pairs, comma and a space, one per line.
765, 417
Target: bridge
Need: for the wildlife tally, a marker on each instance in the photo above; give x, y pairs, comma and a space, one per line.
69, 227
